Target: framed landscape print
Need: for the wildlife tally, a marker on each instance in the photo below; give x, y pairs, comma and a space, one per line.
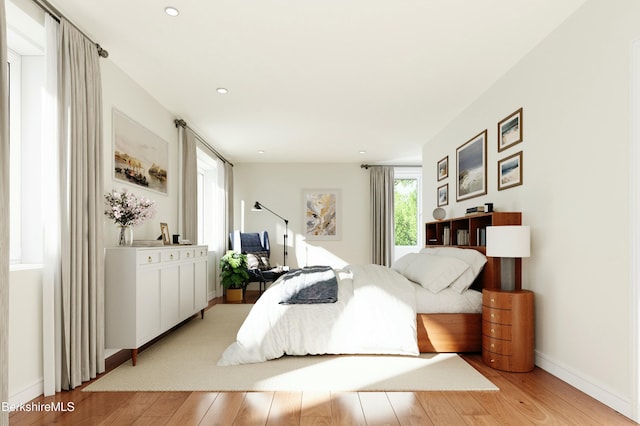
510, 171
472, 167
321, 218
443, 168
443, 195
140, 157
510, 130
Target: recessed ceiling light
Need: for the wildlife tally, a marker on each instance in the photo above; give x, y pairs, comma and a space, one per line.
261, 151
222, 90
362, 152
171, 11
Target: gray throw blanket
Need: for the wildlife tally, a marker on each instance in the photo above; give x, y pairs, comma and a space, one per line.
311, 284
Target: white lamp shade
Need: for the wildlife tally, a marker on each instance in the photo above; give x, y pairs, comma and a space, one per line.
508, 241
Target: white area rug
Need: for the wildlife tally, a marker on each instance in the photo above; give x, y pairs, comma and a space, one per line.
185, 360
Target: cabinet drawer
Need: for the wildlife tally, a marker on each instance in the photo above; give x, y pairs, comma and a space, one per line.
148, 257
498, 331
170, 255
498, 361
201, 252
494, 299
498, 346
500, 316
187, 254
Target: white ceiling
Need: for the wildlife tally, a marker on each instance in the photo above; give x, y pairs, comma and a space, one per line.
317, 81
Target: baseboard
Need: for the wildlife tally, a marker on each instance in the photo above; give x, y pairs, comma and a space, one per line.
594, 390
28, 393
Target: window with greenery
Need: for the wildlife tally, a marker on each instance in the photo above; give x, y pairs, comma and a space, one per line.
406, 211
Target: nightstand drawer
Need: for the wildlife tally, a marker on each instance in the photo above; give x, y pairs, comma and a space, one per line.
498, 346
500, 362
496, 299
498, 331
499, 316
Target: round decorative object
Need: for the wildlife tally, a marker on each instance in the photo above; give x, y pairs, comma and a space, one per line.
439, 213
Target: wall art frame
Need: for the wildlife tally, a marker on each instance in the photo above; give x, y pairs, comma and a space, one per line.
443, 195
471, 160
140, 157
510, 171
443, 168
322, 214
510, 130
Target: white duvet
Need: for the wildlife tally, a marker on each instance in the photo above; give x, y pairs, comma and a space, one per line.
375, 314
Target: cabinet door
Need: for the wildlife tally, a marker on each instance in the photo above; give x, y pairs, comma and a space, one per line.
186, 290
201, 285
148, 305
170, 294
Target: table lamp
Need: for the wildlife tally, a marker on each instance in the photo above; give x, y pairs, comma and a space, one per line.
511, 244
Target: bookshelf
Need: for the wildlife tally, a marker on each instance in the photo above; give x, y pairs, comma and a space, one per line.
467, 231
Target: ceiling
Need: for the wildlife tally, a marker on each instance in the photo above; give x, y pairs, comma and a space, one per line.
317, 81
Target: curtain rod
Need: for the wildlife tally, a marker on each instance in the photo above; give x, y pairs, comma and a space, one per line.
366, 166
57, 15
181, 123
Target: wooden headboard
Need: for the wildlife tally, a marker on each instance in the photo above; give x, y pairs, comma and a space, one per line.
489, 278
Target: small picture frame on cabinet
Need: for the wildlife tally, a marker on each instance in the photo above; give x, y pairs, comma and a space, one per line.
166, 236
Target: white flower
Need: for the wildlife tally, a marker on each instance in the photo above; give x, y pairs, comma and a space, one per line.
126, 209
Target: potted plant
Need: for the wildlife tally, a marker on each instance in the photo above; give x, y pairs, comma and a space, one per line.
233, 275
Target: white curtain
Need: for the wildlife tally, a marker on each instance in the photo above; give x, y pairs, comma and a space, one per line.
51, 212
382, 215
189, 192
81, 319
4, 218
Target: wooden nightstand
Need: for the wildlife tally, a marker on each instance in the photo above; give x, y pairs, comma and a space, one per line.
508, 330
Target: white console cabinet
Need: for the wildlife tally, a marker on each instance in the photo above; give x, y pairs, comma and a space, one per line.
148, 290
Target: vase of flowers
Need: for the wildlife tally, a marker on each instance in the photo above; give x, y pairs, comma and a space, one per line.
127, 210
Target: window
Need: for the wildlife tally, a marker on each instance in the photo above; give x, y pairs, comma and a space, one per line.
407, 214
25, 38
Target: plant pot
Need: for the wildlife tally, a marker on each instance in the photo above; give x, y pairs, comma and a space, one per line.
234, 295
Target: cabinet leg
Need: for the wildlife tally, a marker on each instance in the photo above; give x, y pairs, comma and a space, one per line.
201, 313
134, 356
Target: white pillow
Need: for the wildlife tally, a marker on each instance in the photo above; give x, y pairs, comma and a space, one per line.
473, 258
434, 273
401, 264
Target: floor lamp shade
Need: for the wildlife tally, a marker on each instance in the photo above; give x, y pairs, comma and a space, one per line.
508, 241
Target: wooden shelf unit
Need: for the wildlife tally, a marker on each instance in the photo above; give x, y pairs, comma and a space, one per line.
434, 232
472, 224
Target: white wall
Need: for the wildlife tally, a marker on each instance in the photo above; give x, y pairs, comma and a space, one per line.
121, 92
574, 88
25, 334
280, 187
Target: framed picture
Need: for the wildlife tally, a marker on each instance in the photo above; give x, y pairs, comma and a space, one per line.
472, 167
510, 130
510, 171
321, 217
443, 195
140, 157
443, 168
166, 236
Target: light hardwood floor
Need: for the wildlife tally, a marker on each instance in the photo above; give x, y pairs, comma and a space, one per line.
524, 398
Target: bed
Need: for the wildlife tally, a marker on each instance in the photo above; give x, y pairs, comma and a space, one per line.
375, 310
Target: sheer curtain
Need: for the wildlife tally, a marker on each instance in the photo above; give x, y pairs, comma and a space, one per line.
382, 219
81, 287
51, 212
4, 218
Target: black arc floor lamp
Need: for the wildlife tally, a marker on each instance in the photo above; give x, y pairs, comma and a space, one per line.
258, 207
